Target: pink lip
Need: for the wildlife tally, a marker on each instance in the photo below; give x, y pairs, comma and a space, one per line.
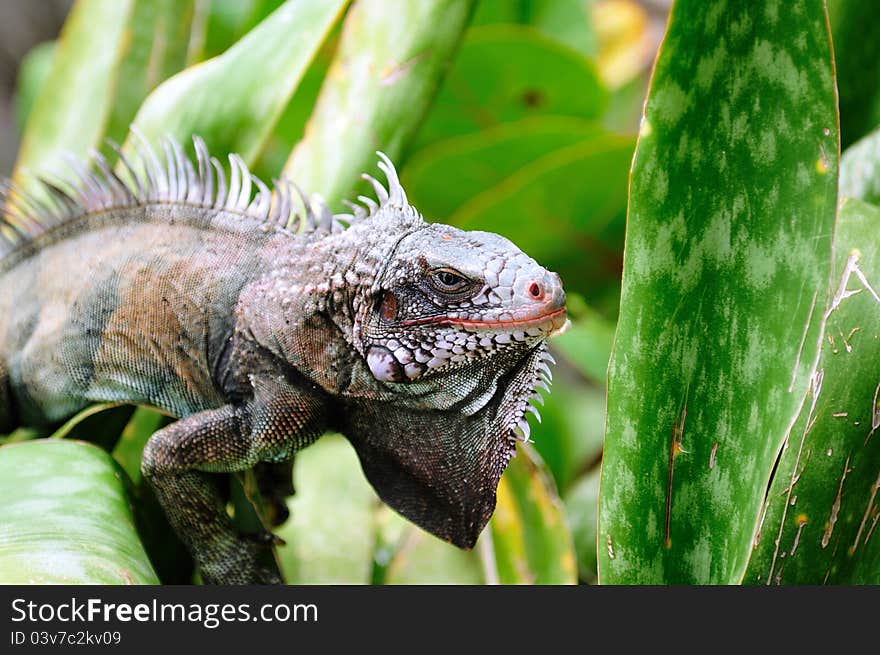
534, 321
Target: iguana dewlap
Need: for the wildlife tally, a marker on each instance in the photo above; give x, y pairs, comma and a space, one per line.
421, 343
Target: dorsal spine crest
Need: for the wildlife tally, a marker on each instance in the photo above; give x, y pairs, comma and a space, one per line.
145, 179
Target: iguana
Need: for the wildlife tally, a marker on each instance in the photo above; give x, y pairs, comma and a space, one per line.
164, 284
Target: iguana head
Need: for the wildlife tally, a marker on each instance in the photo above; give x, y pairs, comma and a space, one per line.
449, 298
453, 328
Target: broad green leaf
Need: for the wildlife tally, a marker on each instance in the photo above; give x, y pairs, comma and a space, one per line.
581, 508
823, 507
625, 105
23, 434
575, 229
110, 54
860, 169
65, 517
32, 75
226, 21
442, 177
505, 73
530, 536
331, 531
421, 558
566, 21
290, 127
170, 559
727, 263
234, 100
390, 59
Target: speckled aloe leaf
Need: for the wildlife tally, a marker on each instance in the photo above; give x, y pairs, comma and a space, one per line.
860, 169
110, 55
65, 517
727, 265
331, 532
233, 100
389, 62
823, 508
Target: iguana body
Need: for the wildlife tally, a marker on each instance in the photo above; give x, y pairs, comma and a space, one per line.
421, 343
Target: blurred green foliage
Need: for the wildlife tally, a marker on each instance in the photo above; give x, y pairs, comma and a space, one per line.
517, 124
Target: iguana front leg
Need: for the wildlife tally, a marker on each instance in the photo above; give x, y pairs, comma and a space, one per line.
179, 459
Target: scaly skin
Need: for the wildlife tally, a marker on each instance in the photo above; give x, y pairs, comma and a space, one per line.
421, 343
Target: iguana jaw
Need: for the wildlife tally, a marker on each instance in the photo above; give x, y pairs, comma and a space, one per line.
548, 322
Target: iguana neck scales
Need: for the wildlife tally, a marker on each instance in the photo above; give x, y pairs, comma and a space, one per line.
168, 285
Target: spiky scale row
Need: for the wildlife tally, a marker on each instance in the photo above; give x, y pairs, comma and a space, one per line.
145, 179
520, 429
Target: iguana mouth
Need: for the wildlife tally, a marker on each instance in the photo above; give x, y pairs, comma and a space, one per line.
550, 322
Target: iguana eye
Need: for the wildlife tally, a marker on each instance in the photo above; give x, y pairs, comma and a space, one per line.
447, 280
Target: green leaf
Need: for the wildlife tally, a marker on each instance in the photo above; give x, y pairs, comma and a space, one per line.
505, 73
527, 541
387, 68
823, 506
727, 263
575, 229
130, 446
290, 126
530, 536
569, 438
65, 517
234, 100
421, 558
331, 531
80, 416
581, 509
860, 169
444, 176
567, 21
226, 21
32, 75
588, 340
855, 26
110, 54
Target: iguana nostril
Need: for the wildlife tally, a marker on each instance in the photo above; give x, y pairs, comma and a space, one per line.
536, 290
